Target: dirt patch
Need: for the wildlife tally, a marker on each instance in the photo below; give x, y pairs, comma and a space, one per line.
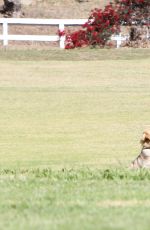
62, 8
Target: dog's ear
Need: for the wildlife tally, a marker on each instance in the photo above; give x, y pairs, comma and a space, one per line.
143, 139
146, 134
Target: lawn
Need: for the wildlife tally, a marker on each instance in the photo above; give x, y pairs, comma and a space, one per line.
70, 120
74, 199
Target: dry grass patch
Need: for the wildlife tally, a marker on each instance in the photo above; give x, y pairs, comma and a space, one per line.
124, 203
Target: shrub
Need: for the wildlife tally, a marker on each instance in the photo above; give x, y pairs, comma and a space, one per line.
103, 23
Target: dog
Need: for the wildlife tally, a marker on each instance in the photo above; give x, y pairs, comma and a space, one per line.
143, 159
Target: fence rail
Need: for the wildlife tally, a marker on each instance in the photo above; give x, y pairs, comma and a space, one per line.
61, 23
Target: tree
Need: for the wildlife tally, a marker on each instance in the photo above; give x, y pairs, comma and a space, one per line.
11, 8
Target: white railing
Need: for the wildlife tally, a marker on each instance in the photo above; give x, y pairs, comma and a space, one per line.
61, 23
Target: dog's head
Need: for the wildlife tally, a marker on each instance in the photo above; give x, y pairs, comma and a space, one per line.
145, 140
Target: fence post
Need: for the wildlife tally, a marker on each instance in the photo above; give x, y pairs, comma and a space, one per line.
62, 38
119, 41
5, 33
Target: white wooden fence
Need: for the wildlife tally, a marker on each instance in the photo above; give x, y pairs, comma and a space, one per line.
61, 23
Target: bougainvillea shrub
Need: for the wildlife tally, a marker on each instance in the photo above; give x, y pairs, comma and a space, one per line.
98, 29
102, 23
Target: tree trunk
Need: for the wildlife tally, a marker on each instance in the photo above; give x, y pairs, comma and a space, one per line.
139, 37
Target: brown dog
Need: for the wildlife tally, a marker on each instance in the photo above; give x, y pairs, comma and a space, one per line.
143, 159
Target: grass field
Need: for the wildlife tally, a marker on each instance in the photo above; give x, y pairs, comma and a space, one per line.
70, 125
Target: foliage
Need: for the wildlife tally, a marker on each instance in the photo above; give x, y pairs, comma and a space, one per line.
103, 23
133, 11
97, 31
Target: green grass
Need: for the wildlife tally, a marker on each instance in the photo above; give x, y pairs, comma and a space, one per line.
73, 199
70, 125
39, 54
